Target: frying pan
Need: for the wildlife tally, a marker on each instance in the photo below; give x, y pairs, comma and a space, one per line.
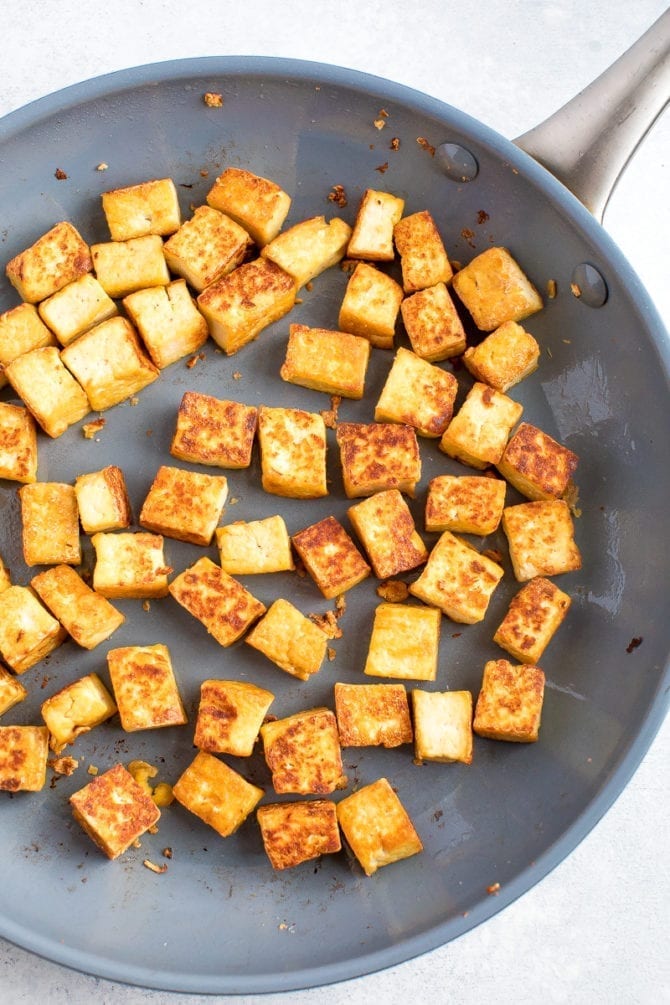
221, 921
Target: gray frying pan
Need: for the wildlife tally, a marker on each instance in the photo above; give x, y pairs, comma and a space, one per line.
219, 920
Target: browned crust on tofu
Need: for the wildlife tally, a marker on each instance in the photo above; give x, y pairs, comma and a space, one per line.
458, 580
303, 753
114, 810
330, 557
216, 793
18, 444
184, 504
377, 827
23, 758
86, 615
230, 715
509, 705
541, 538
385, 526
465, 504
378, 456
299, 831
214, 431
423, 257
536, 464
372, 715
33, 272
50, 524
221, 603
145, 687
533, 617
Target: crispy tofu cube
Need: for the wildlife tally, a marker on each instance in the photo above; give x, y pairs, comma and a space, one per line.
130, 565
417, 394
145, 687
386, 530
230, 715
303, 753
324, 360
378, 456
5, 580
309, 247
330, 557
23, 758
206, 247
434, 329
423, 258
102, 499
152, 207
404, 642
299, 831
288, 638
370, 306
478, 433
239, 306
218, 601
536, 465
168, 320
87, 616
214, 431
293, 452
370, 715
458, 580
494, 289
125, 266
442, 726
48, 389
28, 632
256, 547
186, 505
114, 810
12, 691
377, 826
533, 618
18, 444
503, 358
216, 794
76, 709
541, 540
54, 260
50, 524
509, 706
372, 236
257, 204
77, 307
465, 504
109, 363
21, 329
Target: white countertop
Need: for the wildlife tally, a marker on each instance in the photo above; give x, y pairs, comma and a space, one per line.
595, 929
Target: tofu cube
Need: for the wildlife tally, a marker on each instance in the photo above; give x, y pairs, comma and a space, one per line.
145, 687
465, 504
536, 465
168, 320
77, 307
423, 258
290, 640
330, 557
432, 323
12, 691
23, 758
185, 505
218, 601
114, 810
125, 266
503, 358
494, 289
509, 706
54, 260
303, 753
257, 204
49, 524
293, 452
76, 709
533, 618
130, 565
151, 207
217, 794
21, 329
377, 827
213, 431
206, 248
378, 456
309, 248
372, 715
88, 617
372, 236
240, 305
418, 394
298, 832
370, 306
478, 433
102, 500
404, 642
386, 530
254, 548
18, 444
442, 726
48, 389
230, 715
28, 632
541, 539
458, 580
324, 360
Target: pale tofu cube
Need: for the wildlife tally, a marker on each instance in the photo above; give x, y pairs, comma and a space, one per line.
145, 687
255, 547
404, 642
370, 715
389, 553
503, 358
214, 431
541, 539
125, 266
536, 465
77, 307
465, 504
48, 389
206, 247
18, 444
21, 329
219, 602
23, 758
324, 360
509, 706
151, 207
330, 557
49, 524
75, 709
303, 753
494, 289
533, 618
458, 580
12, 691
298, 832
186, 505
168, 320
442, 726
377, 827
289, 639
478, 433
309, 248
216, 794
28, 632
423, 259
257, 204
433, 325
102, 499
372, 236
293, 452
418, 394
114, 810
130, 565
370, 306
54, 260
88, 617
230, 715
378, 456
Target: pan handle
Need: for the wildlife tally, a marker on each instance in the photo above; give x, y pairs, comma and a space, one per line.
588, 142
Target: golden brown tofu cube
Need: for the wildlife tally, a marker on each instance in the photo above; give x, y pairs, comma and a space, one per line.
503, 358
418, 394
50, 524
329, 361
495, 289
509, 706
125, 266
386, 530
433, 326
54, 260
12, 691
541, 539
309, 247
404, 642
257, 204
259, 546
442, 726
423, 258
298, 832
370, 306
151, 207
23, 758
218, 601
77, 307
458, 580
216, 794
230, 715
536, 465
102, 499
28, 632
76, 709
465, 504
288, 638
239, 306
168, 320
87, 616
377, 826
21, 330
48, 389
478, 433
533, 618
145, 687
371, 715
330, 557
130, 565
206, 247
18, 444
214, 431
186, 505
303, 753
372, 236
293, 452
378, 456
114, 810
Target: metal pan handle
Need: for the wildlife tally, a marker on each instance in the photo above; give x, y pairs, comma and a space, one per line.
588, 142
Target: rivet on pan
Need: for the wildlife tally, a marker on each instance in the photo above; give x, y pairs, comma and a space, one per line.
588, 285
457, 162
